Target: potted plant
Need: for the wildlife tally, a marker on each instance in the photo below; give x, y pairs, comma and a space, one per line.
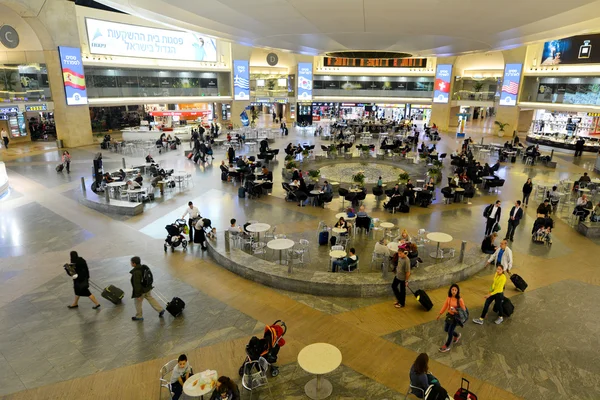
289, 166
314, 174
501, 127
333, 151
477, 86
403, 178
359, 178
305, 154
435, 173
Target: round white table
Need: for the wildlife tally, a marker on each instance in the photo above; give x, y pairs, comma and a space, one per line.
200, 384
438, 237
116, 186
393, 247
280, 244
258, 228
339, 230
386, 226
179, 178
319, 359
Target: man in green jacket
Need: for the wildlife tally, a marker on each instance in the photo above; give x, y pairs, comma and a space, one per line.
142, 290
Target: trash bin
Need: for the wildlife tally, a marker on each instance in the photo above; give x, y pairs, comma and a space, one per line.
59, 144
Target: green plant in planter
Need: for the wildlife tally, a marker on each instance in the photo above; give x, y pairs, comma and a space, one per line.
305, 153
333, 151
437, 163
435, 173
501, 127
289, 158
290, 165
359, 178
314, 174
403, 177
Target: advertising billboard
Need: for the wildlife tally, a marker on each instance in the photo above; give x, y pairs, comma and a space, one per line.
441, 88
305, 81
115, 39
73, 77
510, 84
241, 80
572, 50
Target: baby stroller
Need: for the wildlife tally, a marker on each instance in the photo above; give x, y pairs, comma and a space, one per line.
541, 232
266, 349
176, 235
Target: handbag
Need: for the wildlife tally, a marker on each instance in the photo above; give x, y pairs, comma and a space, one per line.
496, 228
463, 315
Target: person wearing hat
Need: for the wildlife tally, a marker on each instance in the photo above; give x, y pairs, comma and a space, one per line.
545, 208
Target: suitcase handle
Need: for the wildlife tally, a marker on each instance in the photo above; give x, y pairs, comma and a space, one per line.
160, 296
463, 381
94, 285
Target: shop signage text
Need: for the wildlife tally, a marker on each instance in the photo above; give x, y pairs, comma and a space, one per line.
9, 110
375, 62
36, 107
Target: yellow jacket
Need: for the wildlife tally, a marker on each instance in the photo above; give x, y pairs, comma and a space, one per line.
498, 284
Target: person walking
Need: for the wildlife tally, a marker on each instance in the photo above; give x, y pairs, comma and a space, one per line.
4, 135
516, 213
230, 154
141, 283
527, 189
81, 281
496, 295
579, 146
401, 279
66, 159
502, 256
194, 214
492, 216
451, 305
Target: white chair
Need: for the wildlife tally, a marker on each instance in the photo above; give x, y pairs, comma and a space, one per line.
410, 391
298, 252
376, 228
270, 234
258, 248
255, 375
165, 377
337, 247
377, 259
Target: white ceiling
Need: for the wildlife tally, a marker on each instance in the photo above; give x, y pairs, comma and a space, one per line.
420, 27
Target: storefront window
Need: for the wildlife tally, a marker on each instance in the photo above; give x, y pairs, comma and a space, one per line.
24, 82
562, 90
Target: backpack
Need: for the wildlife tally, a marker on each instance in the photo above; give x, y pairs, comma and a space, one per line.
147, 278
488, 210
436, 392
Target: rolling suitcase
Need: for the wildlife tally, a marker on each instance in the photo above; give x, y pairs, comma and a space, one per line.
464, 393
518, 281
241, 193
323, 238
110, 293
224, 175
422, 298
189, 156
59, 167
507, 307
174, 307
196, 157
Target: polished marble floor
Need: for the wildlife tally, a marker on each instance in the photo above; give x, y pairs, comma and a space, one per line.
548, 349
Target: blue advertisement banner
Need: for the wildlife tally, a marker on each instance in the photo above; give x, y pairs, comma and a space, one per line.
441, 88
73, 76
241, 80
510, 84
305, 81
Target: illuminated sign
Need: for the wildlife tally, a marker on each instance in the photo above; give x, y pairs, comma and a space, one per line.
441, 92
375, 62
73, 77
241, 80
9, 110
36, 107
180, 113
582, 49
510, 84
305, 81
112, 38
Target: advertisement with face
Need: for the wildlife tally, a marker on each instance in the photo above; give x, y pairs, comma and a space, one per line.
305, 81
241, 80
115, 39
510, 84
572, 50
73, 77
441, 92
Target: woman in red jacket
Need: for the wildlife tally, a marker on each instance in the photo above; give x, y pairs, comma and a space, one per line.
452, 304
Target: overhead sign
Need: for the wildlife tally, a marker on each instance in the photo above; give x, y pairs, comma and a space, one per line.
305, 81
510, 84
441, 88
572, 50
375, 62
112, 38
9, 37
73, 77
9, 110
36, 107
241, 80
205, 113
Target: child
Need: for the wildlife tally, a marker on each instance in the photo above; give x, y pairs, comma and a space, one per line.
181, 372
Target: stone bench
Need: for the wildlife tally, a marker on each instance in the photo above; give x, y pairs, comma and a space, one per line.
340, 284
589, 229
120, 207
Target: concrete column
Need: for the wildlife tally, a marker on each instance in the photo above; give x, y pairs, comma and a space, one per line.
236, 109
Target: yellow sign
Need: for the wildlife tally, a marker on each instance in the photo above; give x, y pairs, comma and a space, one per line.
593, 114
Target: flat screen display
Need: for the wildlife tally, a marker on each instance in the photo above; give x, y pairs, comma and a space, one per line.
305, 81
73, 76
580, 49
510, 84
241, 80
441, 92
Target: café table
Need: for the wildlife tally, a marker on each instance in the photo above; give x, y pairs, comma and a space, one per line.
200, 384
386, 226
459, 193
116, 187
258, 228
319, 359
281, 244
393, 247
136, 193
438, 237
179, 178
315, 195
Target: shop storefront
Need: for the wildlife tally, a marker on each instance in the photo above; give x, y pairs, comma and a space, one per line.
562, 129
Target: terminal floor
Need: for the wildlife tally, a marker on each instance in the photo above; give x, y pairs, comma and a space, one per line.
48, 351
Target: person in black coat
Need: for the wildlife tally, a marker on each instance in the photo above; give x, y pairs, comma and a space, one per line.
231, 154
579, 145
81, 281
516, 213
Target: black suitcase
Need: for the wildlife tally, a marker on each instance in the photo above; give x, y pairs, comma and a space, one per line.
59, 167
507, 307
196, 157
110, 293
323, 238
518, 281
513, 159
224, 175
241, 193
175, 306
423, 298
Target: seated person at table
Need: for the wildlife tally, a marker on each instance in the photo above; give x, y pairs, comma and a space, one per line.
181, 372
596, 213
295, 174
122, 174
139, 179
582, 207
488, 246
264, 146
420, 376
585, 178
225, 389
108, 178
347, 263
413, 255
381, 247
463, 177
395, 190
430, 186
223, 167
169, 138
133, 185
266, 174
404, 237
362, 213
149, 159
409, 192
233, 228
545, 208
327, 188
342, 224
453, 182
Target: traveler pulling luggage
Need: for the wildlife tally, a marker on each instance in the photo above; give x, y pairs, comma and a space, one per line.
518, 281
464, 393
422, 298
110, 293
60, 167
174, 307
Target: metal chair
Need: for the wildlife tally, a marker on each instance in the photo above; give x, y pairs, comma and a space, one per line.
255, 375
376, 228
301, 250
410, 391
165, 377
377, 259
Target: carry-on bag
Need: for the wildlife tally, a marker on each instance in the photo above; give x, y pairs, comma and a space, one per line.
241, 193
422, 298
174, 307
59, 167
436, 392
323, 238
189, 156
518, 281
110, 293
464, 393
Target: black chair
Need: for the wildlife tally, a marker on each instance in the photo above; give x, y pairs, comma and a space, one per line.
448, 195
350, 197
363, 222
301, 197
327, 198
343, 193
361, 196
377, 191
442, 156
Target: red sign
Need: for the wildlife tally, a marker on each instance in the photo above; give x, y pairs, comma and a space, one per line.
180, 113
316, 117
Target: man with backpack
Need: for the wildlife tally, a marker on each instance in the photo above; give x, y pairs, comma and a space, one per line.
492, 216
141, 282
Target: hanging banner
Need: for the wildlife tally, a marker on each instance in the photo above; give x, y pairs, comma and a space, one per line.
510, 84
241, 80
115, 39
441, 93
73, 77
244, 118
305, 81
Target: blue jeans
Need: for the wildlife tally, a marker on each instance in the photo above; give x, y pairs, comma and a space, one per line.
450, 327
337, 264
177, 390
498, 298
